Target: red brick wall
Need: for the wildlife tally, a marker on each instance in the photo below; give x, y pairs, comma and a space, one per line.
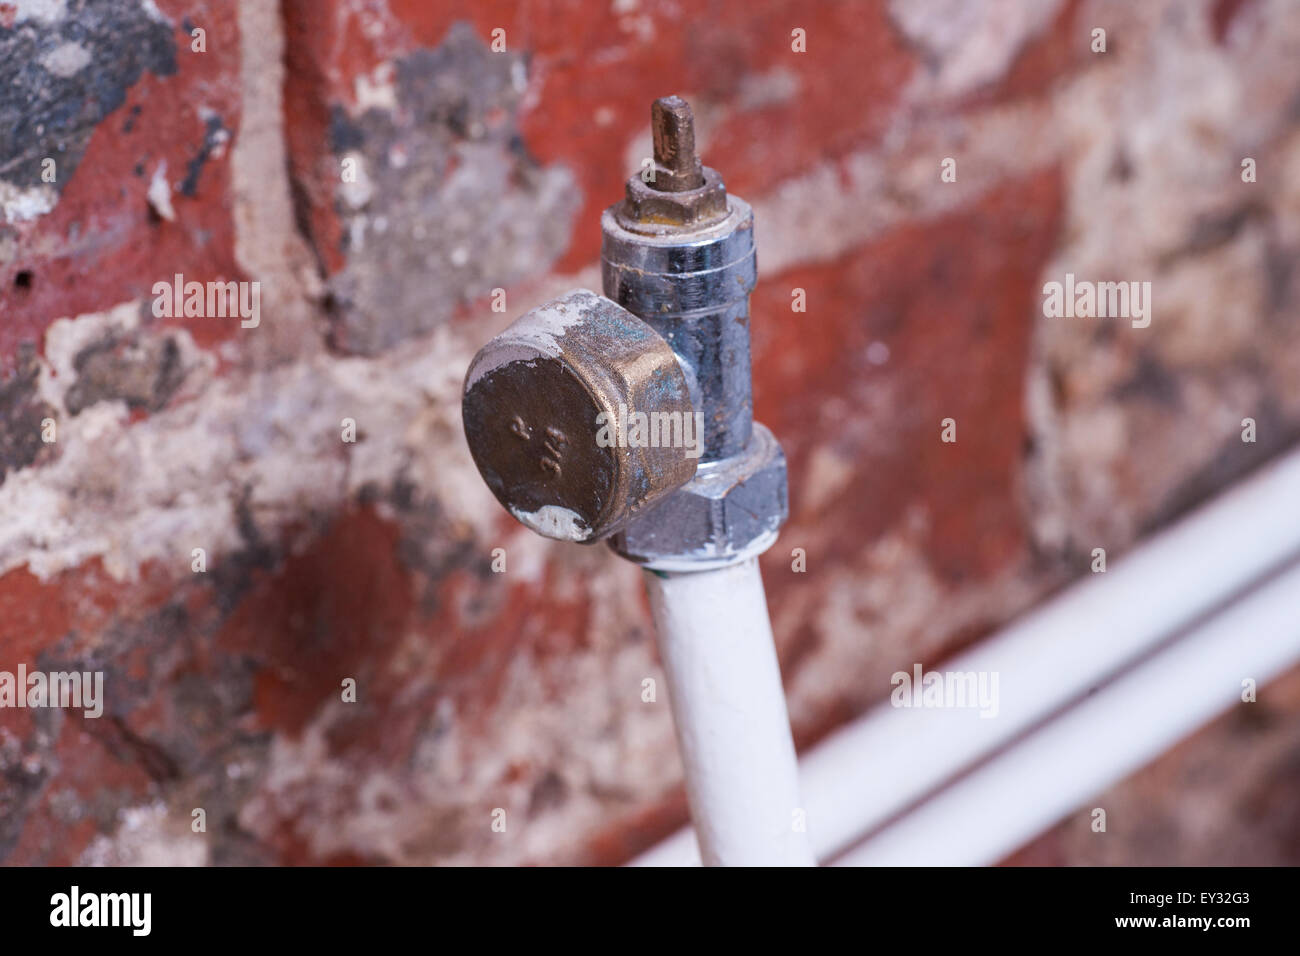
484, 169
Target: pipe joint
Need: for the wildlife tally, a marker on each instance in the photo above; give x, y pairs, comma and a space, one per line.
630, 416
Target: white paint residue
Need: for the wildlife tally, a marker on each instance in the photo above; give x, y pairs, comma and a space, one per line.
46, 11
151, 10
65, 339
160, 193
971, 42
20, 204
169, 483
147, 835
376, 90
555, 521
535, 334
66, 59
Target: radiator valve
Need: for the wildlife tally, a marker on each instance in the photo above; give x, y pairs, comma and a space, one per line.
629, 416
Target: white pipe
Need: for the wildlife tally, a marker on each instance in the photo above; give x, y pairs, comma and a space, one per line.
889, 758
733, 731
1001, 805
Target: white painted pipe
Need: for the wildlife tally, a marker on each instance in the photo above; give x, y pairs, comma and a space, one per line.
733, 731
889, 758
1001, 805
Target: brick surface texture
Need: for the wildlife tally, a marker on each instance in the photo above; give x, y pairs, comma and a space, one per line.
480, 169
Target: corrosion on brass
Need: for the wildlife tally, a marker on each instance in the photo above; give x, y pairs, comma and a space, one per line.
535, 401
681, 192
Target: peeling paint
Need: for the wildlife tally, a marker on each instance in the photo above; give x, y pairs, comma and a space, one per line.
554, 521
275, 436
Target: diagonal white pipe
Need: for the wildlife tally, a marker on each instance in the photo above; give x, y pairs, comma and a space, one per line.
985, 816
887, 760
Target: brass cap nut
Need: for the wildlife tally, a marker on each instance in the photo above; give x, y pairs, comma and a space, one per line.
579, 416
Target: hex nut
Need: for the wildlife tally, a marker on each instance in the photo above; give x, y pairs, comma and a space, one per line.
731, 509
646, 209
